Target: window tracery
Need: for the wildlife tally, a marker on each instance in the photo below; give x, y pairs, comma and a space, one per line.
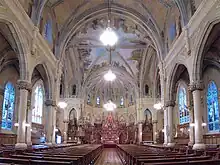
183, 110
212, 107
38, 99
8, 106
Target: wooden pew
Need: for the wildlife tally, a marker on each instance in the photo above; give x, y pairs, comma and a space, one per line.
37, 162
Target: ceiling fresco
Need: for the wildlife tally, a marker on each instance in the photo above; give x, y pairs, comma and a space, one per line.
126, 54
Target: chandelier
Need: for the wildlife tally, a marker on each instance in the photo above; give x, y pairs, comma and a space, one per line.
109, 37
110, 76
109, 106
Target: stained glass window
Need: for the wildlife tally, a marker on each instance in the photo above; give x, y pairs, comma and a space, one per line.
212, 107
48, 33
98, 100
121, 101
37, 106
183, 110
8, 106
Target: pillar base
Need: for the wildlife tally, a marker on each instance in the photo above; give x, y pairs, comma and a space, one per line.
20, 146
171, 145
164, 144
200, 146
29, 143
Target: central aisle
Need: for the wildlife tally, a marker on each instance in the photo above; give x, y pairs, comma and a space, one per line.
109, 156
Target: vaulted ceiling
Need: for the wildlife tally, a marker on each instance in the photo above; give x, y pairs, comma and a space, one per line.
141, 26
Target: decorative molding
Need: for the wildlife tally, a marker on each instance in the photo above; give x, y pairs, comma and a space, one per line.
23, 84
170, 103
197, 85
50, 103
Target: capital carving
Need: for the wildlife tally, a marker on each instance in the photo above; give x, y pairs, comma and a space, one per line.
140, 122
50, 103
154, 121
23, 84
170, 103
66, 121
197, 85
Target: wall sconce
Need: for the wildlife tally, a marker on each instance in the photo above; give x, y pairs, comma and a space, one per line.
192, 124
158, 106
204, 124
27, 125
16, 124
56, 130
62, 104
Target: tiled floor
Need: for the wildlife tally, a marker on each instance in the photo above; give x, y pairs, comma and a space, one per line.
109, 156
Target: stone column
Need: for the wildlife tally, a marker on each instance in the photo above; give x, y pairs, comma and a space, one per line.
29, 121
54, 125
140, 126
170, 138
1, 105
191, 128
165, 126
196, 88
50, 104
65, 130
154, 130
24, 87
135, 136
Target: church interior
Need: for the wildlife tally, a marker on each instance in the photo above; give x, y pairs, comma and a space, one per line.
110, 82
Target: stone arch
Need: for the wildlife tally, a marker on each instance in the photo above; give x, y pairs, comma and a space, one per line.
72, 114
72, 25
201, 45
148, 116
14, 36
44, 74
178, 72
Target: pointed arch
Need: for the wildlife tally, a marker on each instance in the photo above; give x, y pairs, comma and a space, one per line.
37, 101
182, 105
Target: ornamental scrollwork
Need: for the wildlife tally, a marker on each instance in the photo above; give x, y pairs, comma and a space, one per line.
197, 85
23, 84
50, 103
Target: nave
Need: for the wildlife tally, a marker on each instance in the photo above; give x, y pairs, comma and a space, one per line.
94, 154
109, 156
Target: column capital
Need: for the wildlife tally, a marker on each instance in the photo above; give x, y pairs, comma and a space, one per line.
24, 84
140, 122
196, 85
66, 121
50, 102
154, 121
170, 103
